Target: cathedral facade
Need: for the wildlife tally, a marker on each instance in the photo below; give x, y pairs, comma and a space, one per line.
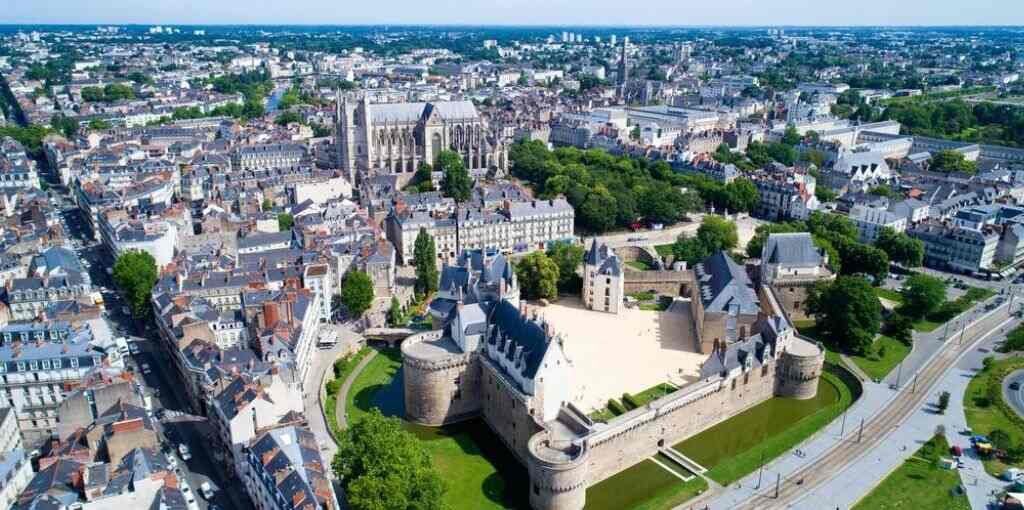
396, 138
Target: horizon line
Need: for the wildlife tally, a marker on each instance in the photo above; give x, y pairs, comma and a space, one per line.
493, 25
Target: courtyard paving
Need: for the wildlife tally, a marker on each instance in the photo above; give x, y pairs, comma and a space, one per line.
628, 352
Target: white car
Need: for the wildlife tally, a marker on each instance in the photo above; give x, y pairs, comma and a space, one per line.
184, 451
206, 490
190, 499
145, 368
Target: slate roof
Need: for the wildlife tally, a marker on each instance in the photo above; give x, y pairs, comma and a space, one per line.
725, 286
791, 249
513, 331
290, 454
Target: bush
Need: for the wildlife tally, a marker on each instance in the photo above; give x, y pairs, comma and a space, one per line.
630, 401
615, 407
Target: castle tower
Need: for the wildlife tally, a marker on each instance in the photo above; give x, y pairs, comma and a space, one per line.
603, 279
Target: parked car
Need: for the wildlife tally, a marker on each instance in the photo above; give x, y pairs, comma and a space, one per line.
186, 454
145, 369
206, 490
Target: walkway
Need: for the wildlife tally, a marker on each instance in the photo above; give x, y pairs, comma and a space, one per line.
323, 365
852, 366
339, 406
826, 466
1015, 397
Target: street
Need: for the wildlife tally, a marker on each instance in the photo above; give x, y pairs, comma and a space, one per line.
160, 383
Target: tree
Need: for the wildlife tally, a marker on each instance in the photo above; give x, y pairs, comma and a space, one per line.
598, 212
860, 258
266, 205
567, 257
66, 125
356, 293
135, 273
425, 260
285, 222
538, 276
952, 161
900, 247
922, 295
396, 317
791, 136
715, 234
288, 117
456, 183
382, 466
422, 179
741, 195
901, 328
847, 311
943, 402
882, 191
99, 125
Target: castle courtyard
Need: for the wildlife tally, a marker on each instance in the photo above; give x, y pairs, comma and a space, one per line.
627, 352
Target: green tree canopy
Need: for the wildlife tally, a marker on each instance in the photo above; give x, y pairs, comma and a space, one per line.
568, 257
791, 136
383, 467
952, 161
356, 293
922, 295
456, 183
847, 311
285, 222
135, 273
425, 260
538, 276
287, 117
900, 247
396, 317
715, 233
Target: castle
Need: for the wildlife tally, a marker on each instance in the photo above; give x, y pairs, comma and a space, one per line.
395, 138
493, 358
603, 281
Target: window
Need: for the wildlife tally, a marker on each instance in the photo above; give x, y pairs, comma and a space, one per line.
56, 363
46, 364
33, 365
74, 362
21, 366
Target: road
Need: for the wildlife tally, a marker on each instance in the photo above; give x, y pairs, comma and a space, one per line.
176, 425
745, 226
1015, 397
323, 363
910, 396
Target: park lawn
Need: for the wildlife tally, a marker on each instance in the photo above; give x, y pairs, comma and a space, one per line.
926, 326
891, 295
738, 446
376, 375
651, 394
665, 250
919, 483
479, 472
877, 367
808, 328
639, 265
645, 486
985, 415
342, 368
653, 307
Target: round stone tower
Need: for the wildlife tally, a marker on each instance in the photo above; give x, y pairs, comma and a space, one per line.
439, 382
799, 369
558, 473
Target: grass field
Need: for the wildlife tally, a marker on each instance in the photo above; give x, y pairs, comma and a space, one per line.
885, 354
891, 295
986, 412
645, 486
873, 364
665, 250
919, 483
736, 447
342, 368
639, 265
377, 375
480, 472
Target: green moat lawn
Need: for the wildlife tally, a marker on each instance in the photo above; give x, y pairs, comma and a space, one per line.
737, 446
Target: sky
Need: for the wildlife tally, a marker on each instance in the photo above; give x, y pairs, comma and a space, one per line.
517, 12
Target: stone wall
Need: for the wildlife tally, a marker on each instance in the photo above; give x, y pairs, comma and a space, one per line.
793, 298
671, 283
507, 411
672, 419
798, 375
443, 390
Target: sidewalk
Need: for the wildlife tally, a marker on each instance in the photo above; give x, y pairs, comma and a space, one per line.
857, 478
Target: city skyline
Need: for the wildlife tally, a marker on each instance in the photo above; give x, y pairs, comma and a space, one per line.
600, 13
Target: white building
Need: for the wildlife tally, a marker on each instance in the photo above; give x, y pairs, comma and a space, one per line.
871, 220
603, 280
15, 466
